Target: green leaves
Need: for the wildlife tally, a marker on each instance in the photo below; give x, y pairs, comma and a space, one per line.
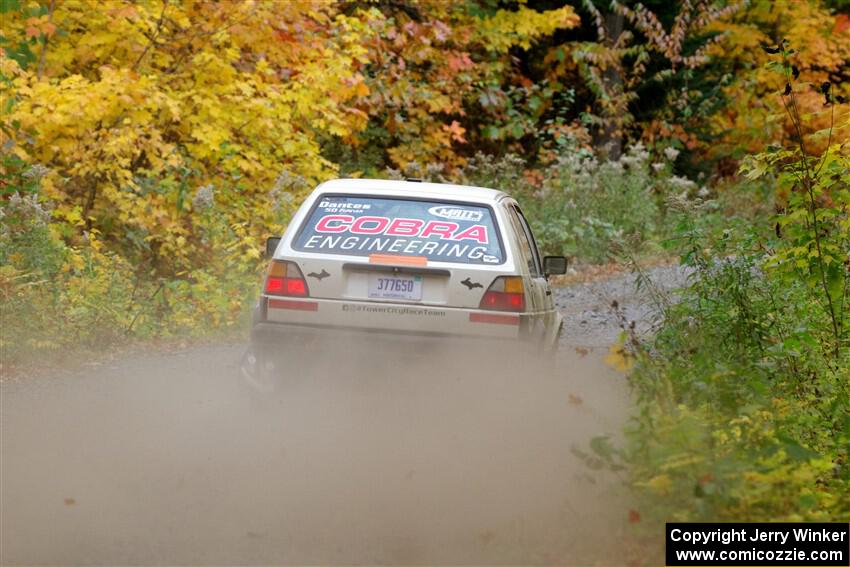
9, 6
794, 450
757, 351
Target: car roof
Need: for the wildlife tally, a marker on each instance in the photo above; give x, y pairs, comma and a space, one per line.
411, 189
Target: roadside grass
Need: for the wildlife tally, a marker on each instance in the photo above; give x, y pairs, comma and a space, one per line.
743, 394
742, 408
741, 413
59, 298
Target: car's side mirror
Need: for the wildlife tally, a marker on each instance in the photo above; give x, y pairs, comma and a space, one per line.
554, 265
271, 245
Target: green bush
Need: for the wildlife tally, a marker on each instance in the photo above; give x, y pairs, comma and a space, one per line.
584, 207
744, 394
743, 406
55, 296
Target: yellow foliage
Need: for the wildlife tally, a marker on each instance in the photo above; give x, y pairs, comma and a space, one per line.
660, 484
821, 49
619, 358
522, 27
139, 104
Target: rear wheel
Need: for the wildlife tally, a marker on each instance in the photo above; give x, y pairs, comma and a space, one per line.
258, 371
549, 356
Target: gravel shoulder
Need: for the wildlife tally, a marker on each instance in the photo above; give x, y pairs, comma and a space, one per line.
589, 320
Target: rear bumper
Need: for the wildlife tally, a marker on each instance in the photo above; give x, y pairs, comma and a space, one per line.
277, 335
327, 319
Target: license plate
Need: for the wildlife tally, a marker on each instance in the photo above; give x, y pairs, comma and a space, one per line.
383, 286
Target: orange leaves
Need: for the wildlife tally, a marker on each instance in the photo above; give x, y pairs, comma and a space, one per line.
39, 26
755, 114
420, 72
534, 177
660, 132
354, 87
456, 131
123, 11
459, 62
842, 24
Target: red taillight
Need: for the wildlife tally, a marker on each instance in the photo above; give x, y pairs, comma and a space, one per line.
499, 301
275, 285
506, 293
285, 278
296, 287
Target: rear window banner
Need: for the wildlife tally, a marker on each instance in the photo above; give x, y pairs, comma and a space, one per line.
360, 226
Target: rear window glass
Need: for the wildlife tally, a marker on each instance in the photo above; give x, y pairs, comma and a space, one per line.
440, 231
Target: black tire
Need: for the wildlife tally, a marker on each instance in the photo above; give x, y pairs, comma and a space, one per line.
259, 371
549, 360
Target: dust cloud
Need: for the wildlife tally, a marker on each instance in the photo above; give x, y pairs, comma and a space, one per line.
362, 453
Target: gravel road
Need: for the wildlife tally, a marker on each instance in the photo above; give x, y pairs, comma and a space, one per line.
589, 321
167, 458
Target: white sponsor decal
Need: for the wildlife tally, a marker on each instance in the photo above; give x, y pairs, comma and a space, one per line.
456, 213
400, 227
435, 250
334, 207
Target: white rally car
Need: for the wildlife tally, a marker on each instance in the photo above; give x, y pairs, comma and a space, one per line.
397, 258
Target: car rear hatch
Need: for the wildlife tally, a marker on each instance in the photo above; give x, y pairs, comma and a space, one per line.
401, 264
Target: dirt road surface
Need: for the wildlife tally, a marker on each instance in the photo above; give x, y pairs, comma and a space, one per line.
369, 457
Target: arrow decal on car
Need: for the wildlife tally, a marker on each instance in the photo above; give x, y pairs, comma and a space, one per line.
319, 276
471, 285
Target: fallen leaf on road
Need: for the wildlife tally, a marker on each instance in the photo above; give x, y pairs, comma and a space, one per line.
619, 358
